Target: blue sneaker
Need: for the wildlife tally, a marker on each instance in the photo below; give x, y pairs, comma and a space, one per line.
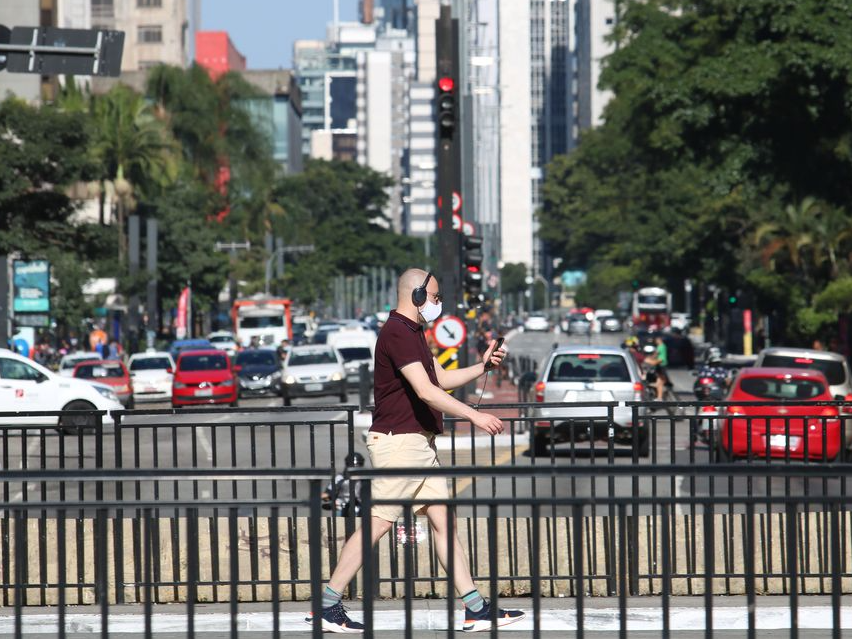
480, 621
335, 619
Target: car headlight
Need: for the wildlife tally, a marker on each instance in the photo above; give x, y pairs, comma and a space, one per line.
107, 392
336, 377
290, 379
227, 382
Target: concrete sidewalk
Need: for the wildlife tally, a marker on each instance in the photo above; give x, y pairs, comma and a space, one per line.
429, 618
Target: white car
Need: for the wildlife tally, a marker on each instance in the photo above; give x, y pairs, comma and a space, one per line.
536, 322
224, 341
152, 374
28, 386
68, 362
311, 371
680, 321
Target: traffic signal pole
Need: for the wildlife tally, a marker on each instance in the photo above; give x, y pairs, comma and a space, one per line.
447, 119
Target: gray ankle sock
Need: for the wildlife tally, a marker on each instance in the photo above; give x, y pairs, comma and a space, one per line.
330, 597
473, 601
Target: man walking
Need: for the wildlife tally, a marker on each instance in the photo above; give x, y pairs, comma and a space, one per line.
410, 397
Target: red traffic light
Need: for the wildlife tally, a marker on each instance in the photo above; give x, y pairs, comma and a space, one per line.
446, 84
473, 269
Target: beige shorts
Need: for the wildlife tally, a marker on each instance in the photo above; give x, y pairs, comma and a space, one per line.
409, 450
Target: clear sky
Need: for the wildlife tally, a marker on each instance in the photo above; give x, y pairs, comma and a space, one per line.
264, 30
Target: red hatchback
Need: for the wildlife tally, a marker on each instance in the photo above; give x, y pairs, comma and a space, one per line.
204, 377
790, 425
110, 372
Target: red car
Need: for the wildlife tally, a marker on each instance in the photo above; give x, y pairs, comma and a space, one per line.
204, 377
779, 429
110, 372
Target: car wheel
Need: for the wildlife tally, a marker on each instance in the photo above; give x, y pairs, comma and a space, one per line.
71, 424
644, 443
343, 397
541, 446
722, 455
287, 401
131, 404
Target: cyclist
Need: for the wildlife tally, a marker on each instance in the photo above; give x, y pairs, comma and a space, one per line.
659, 359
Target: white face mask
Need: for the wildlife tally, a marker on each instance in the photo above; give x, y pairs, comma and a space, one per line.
431, 311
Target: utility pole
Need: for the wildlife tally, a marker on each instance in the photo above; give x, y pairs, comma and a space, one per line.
232, 248
447, 114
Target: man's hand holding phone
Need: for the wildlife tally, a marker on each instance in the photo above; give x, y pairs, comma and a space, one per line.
494, 355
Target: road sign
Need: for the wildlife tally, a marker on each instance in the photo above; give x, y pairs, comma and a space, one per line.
449, 359
457, 202
53, 51
450, 332
467, 228
457, 222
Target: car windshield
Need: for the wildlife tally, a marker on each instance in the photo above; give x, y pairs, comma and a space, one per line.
150, 364
262, 358
71, 363
652, 299
833, 370
588, 367
215, 339
203, 363
784, 388
99, 371
308, 359
275, 321
355, 352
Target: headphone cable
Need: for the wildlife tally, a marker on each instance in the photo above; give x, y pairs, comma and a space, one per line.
482, 392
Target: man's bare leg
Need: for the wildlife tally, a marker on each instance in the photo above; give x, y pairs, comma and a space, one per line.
351, 557
437, 515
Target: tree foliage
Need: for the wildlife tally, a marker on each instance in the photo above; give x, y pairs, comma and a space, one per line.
725, 151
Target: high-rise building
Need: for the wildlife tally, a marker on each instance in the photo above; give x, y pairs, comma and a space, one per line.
215, 52
594, 21
383, 94
279, 114
156, 31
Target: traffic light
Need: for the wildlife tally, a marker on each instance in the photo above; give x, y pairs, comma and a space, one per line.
472, 267
446, 106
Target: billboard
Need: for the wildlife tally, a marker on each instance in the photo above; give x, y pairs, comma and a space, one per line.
32, 286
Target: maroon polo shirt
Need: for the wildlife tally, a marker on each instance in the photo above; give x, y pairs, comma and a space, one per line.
398, 409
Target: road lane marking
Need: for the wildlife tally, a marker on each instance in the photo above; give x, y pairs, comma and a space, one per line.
31, 450
499, 460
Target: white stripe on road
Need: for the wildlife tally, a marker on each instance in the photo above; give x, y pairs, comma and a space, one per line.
727, 618
31, 450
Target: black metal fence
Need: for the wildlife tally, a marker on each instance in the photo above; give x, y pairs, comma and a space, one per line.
257, 560
670, 475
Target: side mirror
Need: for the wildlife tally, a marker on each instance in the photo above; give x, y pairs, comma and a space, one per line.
237, 368
169, 370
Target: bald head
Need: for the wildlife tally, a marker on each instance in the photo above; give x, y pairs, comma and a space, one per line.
408, 281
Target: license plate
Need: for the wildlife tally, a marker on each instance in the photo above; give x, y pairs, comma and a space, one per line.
151, 389
204, 392
780, 441
313, 387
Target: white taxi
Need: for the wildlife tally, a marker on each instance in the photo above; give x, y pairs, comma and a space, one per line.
26, 386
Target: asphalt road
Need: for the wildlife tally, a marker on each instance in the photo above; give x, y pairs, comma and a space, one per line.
315, 433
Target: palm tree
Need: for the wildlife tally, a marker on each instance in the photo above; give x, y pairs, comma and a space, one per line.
791, 234
133, 148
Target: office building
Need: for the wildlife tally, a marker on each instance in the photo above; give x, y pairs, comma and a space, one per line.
215, 52
279, 114
594, 22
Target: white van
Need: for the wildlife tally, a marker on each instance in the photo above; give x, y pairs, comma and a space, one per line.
355, 347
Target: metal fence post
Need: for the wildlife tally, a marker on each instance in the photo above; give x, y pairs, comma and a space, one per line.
315, 558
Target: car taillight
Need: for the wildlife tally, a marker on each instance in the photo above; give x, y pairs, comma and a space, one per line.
735, 410
539, 391
847, 408
705, 381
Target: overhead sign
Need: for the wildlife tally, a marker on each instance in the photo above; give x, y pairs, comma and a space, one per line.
53, 51
450, 332
32, 286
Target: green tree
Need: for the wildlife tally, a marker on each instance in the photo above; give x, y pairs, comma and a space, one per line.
725, 115
133, 150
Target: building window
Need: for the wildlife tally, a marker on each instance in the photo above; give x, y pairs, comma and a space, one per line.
149, 3
103, 9
150, 34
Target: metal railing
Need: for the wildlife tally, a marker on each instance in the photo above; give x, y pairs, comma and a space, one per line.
181, 542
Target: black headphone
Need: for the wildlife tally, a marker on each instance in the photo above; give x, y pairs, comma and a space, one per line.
419, 295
